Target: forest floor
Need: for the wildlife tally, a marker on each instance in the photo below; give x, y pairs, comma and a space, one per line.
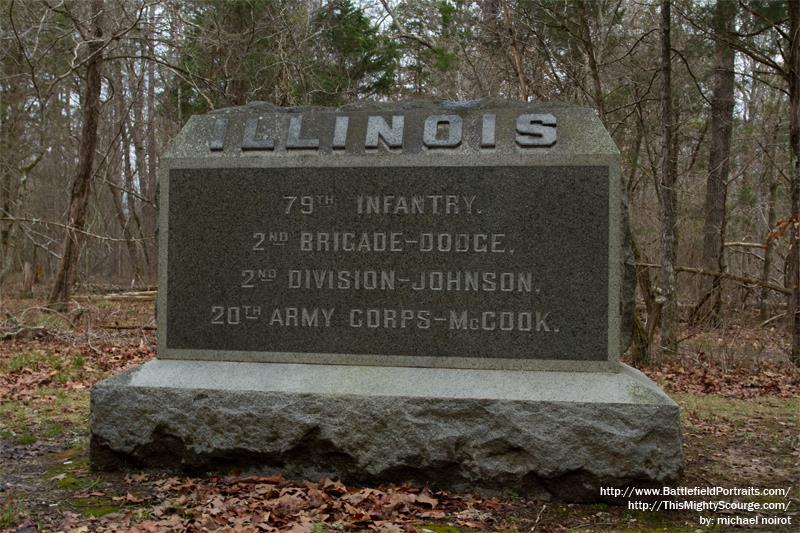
739, 400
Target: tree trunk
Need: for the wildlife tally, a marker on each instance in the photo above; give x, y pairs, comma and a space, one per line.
149, 212
667, 194
12, 100
121, 167
771, 184
641, 350
27, 281
718, 164
794, 139
81, 186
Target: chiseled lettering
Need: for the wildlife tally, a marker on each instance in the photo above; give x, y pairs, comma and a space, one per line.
487, 321
346, 241
444, 131
453, 281
488, 131
340, 133
293, 139
291, 316
453, 125
217, 141
473, 281
301, 317
541, 324
417, 204
251, 139
390, 318
536, 130
377, 128
468, 201
524, 321
459, 320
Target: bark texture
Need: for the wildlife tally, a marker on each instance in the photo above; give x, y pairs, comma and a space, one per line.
771, 194
722, 103
81, 186
667, 192
794, 139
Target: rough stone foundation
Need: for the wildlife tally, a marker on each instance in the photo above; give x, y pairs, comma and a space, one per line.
539, 434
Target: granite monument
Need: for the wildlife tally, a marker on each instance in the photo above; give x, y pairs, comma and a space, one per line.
424, 292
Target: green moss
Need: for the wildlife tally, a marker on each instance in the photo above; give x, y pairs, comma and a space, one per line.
95, 507
70, 472
438, 528
68, 481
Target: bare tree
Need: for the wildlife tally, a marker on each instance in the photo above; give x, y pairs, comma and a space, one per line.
668, 193
81, 185
794, 141
718, 163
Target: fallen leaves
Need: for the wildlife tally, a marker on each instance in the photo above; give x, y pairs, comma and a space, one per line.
128, 498
27, 366
762, 378
276, 505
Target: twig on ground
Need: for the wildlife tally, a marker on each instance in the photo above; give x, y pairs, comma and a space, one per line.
47, 310
24, 331
122, 296
538, 517
767, 321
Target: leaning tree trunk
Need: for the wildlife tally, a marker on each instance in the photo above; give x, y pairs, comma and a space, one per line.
81, 186
794, 139
722, 102
667, 196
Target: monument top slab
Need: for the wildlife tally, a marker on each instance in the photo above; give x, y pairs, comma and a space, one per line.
482, 131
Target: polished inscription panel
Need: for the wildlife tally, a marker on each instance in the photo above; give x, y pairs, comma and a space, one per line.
495, 262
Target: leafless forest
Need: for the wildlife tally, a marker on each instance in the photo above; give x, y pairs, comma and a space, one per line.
702, 98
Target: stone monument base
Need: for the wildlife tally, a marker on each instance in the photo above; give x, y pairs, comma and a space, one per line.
538, 434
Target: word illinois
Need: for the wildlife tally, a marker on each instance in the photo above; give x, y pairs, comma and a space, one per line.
273, 131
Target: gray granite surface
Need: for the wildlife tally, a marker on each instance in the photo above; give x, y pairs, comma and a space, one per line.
545, 184
542, 434
517, 276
